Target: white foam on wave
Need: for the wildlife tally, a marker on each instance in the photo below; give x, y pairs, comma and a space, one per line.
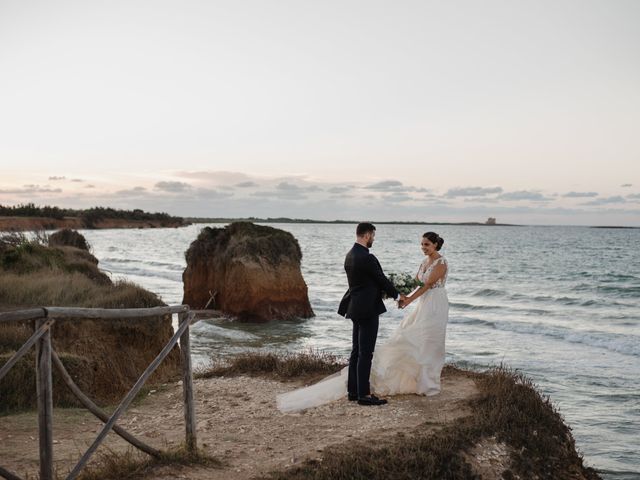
205, 328
625, 344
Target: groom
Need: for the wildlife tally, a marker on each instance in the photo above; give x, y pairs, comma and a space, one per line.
363, 304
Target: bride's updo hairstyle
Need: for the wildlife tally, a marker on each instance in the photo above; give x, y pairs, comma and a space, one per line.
433, 237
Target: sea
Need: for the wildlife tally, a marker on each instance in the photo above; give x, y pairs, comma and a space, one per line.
559, 304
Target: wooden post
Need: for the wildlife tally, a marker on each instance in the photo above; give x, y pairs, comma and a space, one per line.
25, 348
8, 475
44, 389
187, 384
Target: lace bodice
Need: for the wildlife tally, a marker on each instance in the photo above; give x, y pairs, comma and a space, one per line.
426, 268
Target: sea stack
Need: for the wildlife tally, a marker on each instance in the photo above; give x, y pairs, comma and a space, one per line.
251, 271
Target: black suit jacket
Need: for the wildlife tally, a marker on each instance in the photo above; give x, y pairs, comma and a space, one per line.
366, 284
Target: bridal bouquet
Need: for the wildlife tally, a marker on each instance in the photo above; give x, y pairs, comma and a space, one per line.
404, 282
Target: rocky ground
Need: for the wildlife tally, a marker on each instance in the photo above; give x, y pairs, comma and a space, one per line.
239, 424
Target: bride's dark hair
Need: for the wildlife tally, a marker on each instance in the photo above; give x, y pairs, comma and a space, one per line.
433, 237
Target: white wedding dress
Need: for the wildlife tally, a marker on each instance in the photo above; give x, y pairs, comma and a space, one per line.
409, 362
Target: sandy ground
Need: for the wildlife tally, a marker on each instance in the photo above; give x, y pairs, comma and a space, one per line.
237, 422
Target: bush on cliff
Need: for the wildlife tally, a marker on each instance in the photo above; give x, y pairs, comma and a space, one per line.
69, 238
258, 242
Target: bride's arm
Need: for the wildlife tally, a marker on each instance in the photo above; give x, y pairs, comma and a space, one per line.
436, 274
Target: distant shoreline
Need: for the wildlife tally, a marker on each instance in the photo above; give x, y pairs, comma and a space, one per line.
25, 224
340, 222
617, 227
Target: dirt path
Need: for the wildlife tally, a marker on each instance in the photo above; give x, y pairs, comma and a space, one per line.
237, 423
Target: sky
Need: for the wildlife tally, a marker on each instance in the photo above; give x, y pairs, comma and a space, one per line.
406, 110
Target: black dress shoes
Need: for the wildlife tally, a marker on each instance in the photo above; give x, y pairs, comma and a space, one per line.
371, 400
352, 398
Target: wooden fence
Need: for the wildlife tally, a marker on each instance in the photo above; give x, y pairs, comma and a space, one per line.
46, 356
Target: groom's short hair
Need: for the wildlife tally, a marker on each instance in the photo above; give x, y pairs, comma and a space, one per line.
364, 228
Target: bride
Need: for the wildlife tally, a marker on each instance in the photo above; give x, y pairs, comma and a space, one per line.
412, 359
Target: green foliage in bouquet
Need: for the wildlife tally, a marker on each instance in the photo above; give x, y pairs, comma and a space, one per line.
404, 282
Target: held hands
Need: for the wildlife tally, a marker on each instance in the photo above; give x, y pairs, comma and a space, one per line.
403, 301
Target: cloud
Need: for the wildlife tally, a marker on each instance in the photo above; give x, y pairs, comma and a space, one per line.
281, 195
247, 184
386, 186
173, 187
524, 195
89, 186
606, 201
634, 196
481, 200
398, 197
132, 192
339, 189
217, 178
626, 185
31, 189
472, 191
286, 191
580, 194
212, 194
58, 178
289, 187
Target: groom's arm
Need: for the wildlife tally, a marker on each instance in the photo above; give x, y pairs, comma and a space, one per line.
375, 270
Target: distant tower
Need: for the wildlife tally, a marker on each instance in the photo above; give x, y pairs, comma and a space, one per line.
490, 221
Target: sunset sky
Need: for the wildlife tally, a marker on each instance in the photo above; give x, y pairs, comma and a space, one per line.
407, 110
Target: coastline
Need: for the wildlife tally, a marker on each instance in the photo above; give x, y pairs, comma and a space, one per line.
199, 220
24, 224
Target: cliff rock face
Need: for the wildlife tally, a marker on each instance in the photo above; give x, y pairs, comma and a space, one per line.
253, 270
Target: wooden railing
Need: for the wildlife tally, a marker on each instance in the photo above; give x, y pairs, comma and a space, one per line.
46, 356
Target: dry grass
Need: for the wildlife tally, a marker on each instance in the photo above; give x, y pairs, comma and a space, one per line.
55, 288
133, 465
281, 366
18, 387
21, 256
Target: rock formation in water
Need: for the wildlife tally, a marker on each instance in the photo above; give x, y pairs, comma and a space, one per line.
252, 272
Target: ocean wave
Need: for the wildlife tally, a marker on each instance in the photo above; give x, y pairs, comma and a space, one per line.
117, 260
624, 344
504, 308
472, 321
621, 290
204, 328
171, 266
468, 306
167, 265
570, 301
489, 292
140, 272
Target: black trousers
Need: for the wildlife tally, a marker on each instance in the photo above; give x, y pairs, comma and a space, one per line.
365, 333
